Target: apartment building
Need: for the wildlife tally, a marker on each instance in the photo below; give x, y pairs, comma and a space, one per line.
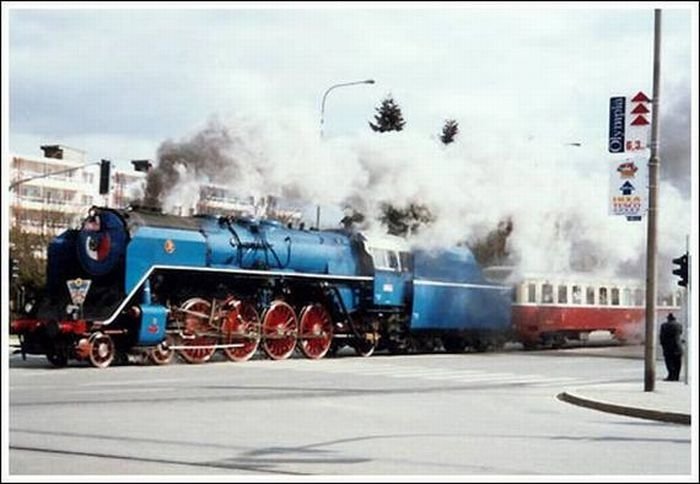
53, 192
48, 204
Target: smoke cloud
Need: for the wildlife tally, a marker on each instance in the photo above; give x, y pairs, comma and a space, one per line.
555, 194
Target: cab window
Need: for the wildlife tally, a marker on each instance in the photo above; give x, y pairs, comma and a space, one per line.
406, 261
387, 260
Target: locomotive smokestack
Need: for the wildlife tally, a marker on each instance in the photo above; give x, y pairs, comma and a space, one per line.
204, 156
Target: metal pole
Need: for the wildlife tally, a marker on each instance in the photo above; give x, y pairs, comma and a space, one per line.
323, 110
58, 172
323, 101
686, 329
654, 163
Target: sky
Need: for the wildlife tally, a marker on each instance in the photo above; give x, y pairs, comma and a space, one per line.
241, 86
528, 83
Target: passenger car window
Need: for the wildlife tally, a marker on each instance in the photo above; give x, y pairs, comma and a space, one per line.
531, 293
547, 293
603, 296
590, 295
615, 296
626, 297
576, 294
561, 294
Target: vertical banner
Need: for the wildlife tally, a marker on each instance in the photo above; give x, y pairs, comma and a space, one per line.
629, 182
616, 127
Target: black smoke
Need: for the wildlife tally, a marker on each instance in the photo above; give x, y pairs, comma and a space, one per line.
208, 154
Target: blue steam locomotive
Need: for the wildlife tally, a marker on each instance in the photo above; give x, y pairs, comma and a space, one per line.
140, 281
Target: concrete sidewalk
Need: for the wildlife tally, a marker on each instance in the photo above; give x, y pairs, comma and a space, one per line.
669, 402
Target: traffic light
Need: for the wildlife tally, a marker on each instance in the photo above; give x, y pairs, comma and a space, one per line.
14, 269
682, 270
104, 177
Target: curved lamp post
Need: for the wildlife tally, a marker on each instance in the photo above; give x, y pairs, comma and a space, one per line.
323, 110
323, 102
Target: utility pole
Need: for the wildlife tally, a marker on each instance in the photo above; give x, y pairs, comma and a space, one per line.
686, 323
654, 163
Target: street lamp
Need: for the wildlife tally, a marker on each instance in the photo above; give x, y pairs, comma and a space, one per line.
323, 102
323, 110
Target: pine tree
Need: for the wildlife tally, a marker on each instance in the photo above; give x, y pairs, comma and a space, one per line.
406, 221
388, 117
493, 249
449, 131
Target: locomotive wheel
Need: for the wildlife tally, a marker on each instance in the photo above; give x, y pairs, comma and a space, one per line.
102, 350
279, 328
453, 344
241, 325
365, 346
197, 331
316, 331
161, 354
57, 358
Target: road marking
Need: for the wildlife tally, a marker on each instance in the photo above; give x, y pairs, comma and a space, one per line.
122, 390
132, 382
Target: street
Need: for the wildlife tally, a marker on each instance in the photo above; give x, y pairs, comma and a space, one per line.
433, 414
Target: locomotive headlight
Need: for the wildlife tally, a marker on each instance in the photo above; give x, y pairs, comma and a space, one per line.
29, 306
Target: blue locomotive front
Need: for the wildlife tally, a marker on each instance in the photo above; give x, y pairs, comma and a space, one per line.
165, 284
139, 281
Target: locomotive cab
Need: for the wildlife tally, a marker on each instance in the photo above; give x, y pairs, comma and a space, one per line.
393, 264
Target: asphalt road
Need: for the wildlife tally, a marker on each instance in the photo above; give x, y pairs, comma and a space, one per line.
486, 414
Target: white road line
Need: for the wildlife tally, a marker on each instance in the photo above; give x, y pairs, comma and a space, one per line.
132, 382
123, 390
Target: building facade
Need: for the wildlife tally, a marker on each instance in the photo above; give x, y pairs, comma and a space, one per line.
51, 193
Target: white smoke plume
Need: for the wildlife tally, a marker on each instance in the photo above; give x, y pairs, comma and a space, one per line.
556, 195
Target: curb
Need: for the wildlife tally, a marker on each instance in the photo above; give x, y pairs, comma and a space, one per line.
645, 413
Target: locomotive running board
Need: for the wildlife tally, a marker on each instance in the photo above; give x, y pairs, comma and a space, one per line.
250, 272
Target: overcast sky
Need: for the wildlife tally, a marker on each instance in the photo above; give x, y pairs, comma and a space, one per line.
524, 82
118, 82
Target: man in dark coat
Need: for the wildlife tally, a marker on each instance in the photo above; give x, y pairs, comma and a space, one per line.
670, 339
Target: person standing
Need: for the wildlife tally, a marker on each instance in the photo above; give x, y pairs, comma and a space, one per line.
670, 339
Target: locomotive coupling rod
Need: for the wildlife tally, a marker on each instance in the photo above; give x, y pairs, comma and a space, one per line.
204, 347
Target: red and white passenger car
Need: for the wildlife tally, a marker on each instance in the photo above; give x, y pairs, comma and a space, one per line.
548, 311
